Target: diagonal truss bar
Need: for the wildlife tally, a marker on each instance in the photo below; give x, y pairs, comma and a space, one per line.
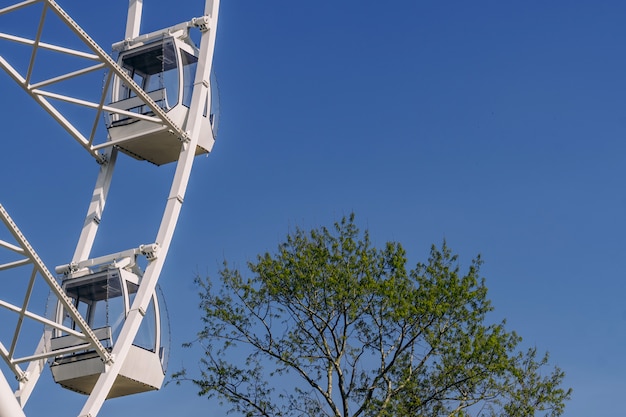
42, 320
92, 105
33, 56
18, 6
57, 115
15, 264
15, 368
23, 311
60, 78
48, 46
112, 65
9, 246
40, 268
37, 90
170, 216
105, 63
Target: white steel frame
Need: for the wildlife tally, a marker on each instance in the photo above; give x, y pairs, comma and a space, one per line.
96, 59
105, 153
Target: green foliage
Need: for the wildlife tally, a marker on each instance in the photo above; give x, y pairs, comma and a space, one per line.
331, 326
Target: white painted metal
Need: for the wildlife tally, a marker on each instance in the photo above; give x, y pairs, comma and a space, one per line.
27, 256
40, 269
34, 370
133, 23
96, 207
79, 369
83, 249
163, 61
86, 139
170, 217
9, 406
105, 152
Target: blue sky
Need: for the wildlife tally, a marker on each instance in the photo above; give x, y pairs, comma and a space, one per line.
498, 126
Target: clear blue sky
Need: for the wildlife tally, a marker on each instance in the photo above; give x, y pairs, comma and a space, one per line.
498, 126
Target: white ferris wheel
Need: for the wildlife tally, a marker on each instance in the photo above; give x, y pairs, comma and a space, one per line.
103, 337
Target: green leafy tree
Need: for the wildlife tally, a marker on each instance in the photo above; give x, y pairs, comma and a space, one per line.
331, 326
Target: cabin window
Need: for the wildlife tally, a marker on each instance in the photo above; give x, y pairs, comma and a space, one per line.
146, 335
155, 70
100, 302
190, 64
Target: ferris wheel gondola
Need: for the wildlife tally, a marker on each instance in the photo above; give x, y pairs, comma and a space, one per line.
104, 298
164, 65
106, 338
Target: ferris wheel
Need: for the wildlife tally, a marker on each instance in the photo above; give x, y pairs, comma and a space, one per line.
104, 338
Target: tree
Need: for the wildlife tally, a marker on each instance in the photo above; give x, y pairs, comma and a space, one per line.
331, 326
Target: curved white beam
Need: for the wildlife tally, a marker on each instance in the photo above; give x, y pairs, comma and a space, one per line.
170, 216
133, 23
9, 406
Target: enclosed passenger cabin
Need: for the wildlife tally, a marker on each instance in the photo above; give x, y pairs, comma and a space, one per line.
103, 299
164, 65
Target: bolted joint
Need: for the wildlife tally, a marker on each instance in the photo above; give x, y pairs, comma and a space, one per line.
66, 269
101, 159
201, 23
22, 377
150, 251
108, 361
